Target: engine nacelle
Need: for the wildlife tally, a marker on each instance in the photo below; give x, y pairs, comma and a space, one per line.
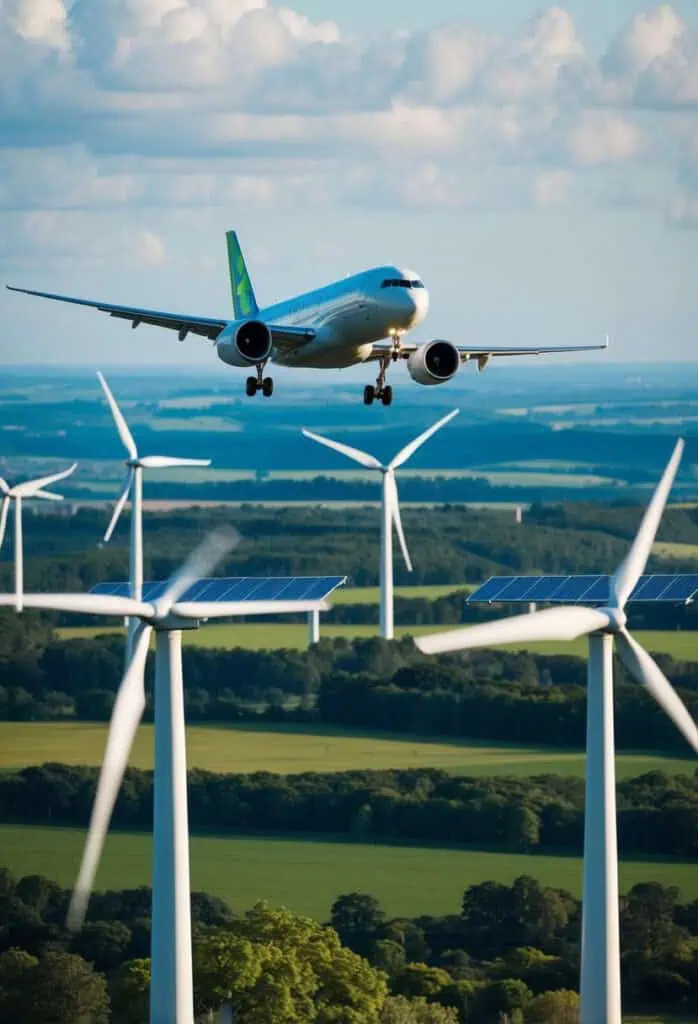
248, 343
435, 362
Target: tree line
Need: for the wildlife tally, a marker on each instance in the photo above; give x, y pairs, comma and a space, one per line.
451, 544
366, 684
657, 812
508, 954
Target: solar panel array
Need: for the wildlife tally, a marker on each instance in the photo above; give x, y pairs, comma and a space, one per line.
679, 589
238, 588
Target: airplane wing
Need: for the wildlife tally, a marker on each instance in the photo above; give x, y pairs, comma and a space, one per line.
208, 327
483, 354
183, 323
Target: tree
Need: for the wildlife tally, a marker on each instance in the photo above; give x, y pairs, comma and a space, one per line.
420, 980
130, 992
60, 987
559, 1007
103, 943
277, 968
356, 917
399, 1010
37, 892
388, 956
225, 969
15, 968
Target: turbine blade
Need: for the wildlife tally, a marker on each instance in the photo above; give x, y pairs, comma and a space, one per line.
644, 669
563, 623
128, 711
121, 424
363, 458
234, 609
4, 509
631, 569
119, 507
93, 604
201, 562
165, 462
29, 488
396, 517
409, 449
47, 495
4, 487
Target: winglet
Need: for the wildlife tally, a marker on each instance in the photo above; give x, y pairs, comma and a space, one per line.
244, 301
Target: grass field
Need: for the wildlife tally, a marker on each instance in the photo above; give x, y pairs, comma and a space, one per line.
288, 749
667, 549
306, 875
274, 636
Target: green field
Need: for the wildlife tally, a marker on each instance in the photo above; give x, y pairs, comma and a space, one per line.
667, 549
290, 749
307, 874
259, 636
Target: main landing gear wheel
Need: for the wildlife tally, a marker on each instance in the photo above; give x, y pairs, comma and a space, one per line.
369, 394
259, 383
387, 395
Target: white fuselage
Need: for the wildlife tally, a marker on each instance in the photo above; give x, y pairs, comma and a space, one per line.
348, 316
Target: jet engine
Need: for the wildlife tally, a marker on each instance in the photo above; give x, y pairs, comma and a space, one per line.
248, 344
435, 362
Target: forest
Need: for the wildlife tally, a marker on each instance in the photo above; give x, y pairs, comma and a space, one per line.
657, 812
449, 544
508, 954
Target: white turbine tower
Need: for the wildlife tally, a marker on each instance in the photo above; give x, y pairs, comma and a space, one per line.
390, 510
133, 486
28, 489
171, 992
600, 967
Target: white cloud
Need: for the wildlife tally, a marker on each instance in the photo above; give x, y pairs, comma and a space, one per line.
216, 102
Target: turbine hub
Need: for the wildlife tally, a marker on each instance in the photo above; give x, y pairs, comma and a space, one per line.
617, 620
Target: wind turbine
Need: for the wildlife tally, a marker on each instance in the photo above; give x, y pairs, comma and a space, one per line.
390, 510
28, 489
135, 464
600, 967
171, 992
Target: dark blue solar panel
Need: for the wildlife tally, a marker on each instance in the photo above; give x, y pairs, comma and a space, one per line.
650, 588
582, 589
681, 588
542, 588
598, 591
239, 588
488, 589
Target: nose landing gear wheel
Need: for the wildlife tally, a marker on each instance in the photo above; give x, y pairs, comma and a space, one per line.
267, 387
369, 394
387, 395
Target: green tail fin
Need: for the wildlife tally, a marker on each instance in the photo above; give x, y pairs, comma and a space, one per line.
244, 302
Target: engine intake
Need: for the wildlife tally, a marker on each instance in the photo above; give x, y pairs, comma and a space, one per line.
253, 341
434, 363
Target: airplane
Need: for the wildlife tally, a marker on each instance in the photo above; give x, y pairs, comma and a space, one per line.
362, 318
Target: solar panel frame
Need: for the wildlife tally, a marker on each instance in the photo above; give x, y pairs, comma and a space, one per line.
236, 588
679, 588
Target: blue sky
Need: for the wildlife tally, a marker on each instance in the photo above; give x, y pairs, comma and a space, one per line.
537, 165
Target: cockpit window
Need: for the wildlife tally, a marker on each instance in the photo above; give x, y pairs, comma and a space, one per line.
401, 282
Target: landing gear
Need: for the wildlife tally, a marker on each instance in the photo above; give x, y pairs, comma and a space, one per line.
382, 391
259, 383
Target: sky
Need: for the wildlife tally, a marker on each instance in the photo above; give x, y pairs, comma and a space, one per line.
537, 165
